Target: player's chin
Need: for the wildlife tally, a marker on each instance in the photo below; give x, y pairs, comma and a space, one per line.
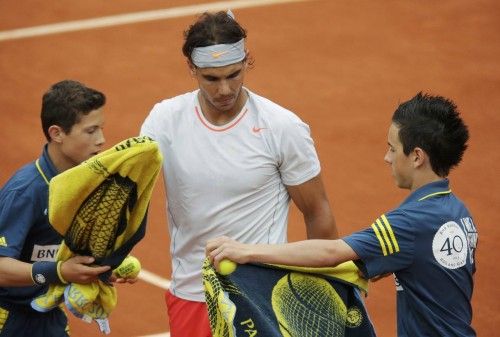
226, 104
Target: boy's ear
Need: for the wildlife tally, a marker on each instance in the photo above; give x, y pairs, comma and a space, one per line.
56, 133
419, 157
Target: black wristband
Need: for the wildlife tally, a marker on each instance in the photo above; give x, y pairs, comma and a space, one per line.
44, 272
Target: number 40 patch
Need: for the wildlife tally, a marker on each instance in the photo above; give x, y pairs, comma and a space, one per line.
450, 246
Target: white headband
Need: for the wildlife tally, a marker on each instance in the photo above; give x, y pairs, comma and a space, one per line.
219, 55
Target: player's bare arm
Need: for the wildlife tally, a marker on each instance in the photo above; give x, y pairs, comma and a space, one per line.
311, 253
311, 199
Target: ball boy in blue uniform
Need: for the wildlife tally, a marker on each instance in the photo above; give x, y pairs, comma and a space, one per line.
428, 242
72, 121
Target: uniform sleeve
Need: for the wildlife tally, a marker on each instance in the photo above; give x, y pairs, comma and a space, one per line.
299, 160
387, 246
16, 219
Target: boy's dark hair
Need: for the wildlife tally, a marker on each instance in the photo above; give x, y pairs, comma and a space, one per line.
211, 29
65, 102
433, 124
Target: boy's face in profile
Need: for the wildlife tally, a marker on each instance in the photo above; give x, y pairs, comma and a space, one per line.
401, 164
85, 139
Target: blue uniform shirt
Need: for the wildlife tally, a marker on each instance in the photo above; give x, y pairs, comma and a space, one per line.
428, 242
25, 232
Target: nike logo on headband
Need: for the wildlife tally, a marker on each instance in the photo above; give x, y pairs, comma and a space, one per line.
216, 55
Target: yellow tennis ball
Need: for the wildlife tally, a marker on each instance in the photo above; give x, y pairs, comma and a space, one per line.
129, 268
226, 267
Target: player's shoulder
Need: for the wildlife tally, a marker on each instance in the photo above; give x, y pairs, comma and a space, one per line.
268, 105
175, 104
270, 110
168, 114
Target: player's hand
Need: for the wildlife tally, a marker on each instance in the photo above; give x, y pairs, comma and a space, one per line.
225, 248
79, 269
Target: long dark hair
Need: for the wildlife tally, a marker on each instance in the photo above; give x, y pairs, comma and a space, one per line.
211, 29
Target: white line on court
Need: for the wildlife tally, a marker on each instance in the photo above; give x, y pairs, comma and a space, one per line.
158, 281
154, 279
123, 19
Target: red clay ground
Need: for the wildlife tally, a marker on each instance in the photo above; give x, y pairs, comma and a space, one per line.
342, 66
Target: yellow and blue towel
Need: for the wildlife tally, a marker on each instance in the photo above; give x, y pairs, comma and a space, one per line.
100, 207
275, 300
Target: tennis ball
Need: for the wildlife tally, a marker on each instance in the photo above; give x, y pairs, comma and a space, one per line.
226, 267
129, 268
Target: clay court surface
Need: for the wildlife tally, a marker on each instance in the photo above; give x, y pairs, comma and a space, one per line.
343, 66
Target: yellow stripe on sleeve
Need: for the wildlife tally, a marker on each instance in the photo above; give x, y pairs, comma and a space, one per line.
4, 314
380, 240
384, 234
391, 232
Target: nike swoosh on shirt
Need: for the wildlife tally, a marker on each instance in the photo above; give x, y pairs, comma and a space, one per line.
256, 129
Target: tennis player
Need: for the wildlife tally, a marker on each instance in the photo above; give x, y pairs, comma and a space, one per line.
232, 161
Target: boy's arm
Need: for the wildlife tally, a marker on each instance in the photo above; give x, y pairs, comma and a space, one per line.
15, 273
310, 253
